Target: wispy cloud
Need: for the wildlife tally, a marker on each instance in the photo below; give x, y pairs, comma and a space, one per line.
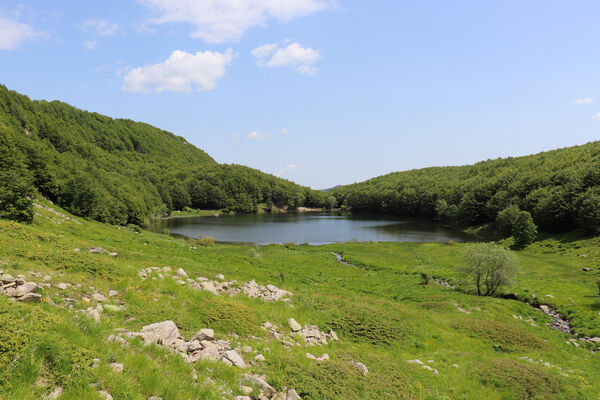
583, 101
14, 33
257, 135
285, 131
180, 72
289, 167
90, 44
596, 117
100, 27
219, 21
293, 55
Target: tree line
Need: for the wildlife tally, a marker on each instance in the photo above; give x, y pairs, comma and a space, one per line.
554, 191
120, 171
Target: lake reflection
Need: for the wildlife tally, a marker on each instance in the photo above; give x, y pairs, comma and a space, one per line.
312, 228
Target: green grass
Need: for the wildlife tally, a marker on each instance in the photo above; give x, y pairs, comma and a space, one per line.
382, 313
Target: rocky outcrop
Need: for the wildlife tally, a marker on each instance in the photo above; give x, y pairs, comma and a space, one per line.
18, 288
202, 345
310, 334
220, 285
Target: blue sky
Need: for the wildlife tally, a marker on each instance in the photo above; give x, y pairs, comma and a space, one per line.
321, 92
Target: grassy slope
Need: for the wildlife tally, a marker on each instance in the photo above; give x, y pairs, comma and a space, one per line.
382, 313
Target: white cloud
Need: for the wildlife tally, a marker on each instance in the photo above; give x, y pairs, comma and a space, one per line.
257, 135
294, 55
100, 27
583, 101
13, 33
289, 167
180, 72
596, 117
90, 44
218, 21
285, 132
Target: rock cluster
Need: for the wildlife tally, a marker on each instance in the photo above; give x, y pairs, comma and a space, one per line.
559, 322
267, 392
202, 346
18, 288
424, 366
267, 293
218, 286
310, 334
60, 215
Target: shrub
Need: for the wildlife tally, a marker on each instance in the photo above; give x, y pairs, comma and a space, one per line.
505, 220
489, 267
524, 230
503, 336
205, 241
521, 380
369, 328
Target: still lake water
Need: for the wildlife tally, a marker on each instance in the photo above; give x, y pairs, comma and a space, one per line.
312, 228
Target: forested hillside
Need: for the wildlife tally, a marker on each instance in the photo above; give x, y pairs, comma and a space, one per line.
119, 171
560, 189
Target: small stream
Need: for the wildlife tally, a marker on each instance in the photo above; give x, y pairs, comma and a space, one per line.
560, 323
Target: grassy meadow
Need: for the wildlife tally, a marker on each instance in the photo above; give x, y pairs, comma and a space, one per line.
382, 310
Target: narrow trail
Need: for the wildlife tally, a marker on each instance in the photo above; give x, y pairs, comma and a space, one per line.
560, 323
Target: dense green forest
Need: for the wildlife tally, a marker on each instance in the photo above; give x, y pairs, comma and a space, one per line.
119, 171
560, 189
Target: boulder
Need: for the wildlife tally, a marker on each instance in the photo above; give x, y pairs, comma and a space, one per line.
220, 276
294, 325
164, 333
181, 272
99, 297
112, 293
24, 289
210, 287
361, 367
235, 358
30, 298
204, 334
259, 358
116, 367
292, 395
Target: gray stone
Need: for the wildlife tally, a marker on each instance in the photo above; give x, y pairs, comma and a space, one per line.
361, 367
181, 272
203, 334
294, 325
164, 333
292, 395
24, 289
116, 367
31, 298
235, 358
99, 297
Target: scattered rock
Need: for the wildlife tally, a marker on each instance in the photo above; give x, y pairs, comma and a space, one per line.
116, 367
62, 286
54, 394
99, 297
235, 358
104, 395
112, 293
585, 269
259, 358
294, 325
203, 334
96, 250
181, 272
220, 276
361, 367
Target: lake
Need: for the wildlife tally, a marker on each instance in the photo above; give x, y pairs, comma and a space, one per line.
311, 228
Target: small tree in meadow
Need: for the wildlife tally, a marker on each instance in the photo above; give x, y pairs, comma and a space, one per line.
524, 230
489, 267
